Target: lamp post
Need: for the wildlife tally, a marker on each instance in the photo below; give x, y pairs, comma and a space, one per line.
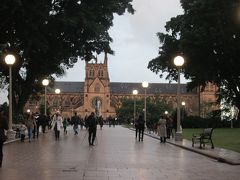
45, 83
10, 60
183, 109
178, 61
135, 92
57, 91
145, 86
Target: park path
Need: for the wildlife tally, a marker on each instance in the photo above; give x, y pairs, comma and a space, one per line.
116, 155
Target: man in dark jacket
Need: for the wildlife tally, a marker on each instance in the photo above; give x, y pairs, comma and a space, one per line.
141, 124
75, 121
92, 128
3, 126
41, 121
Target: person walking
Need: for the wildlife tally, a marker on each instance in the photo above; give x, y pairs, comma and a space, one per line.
36, 126
92, 128
100, 121
3, 137
136, 126
75, 121
65, 124
141, 127
163, 132
110, 120
30, 123
41, 121
57, 124
169, 127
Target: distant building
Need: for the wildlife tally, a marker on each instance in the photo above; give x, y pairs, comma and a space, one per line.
97, 90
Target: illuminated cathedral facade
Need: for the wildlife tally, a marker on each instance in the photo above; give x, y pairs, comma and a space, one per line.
97, 92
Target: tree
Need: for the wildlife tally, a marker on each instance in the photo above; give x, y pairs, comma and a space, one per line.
155, 108
48, 37
208, 36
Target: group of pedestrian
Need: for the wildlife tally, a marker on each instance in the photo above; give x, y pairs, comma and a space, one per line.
164, 128
32, 123
90, 124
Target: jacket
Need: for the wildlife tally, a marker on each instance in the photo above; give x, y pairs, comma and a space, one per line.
3, 126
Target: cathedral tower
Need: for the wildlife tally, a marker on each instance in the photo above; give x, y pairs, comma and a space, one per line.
96, 88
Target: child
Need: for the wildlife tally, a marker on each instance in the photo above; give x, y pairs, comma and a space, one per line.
22, 132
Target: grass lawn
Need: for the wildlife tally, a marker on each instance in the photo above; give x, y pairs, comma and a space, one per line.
223, 137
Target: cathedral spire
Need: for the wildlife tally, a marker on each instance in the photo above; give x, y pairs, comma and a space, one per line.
96, 59
105, 58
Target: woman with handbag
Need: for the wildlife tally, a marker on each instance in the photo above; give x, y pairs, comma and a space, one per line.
3, 127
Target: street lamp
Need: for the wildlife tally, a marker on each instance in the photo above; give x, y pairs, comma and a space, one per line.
135, 92
183, 109
57, 91
178, 61
166, 112
10, 60
45, 83
145, 86
183, 103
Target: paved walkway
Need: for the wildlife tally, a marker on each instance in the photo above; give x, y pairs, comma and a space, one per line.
116, 156
220, 154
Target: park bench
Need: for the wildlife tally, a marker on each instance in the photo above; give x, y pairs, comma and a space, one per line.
203, 138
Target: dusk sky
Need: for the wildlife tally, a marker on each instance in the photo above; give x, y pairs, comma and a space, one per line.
134, 42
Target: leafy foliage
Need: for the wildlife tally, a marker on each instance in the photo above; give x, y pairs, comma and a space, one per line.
155, 108
208, 36
48, 37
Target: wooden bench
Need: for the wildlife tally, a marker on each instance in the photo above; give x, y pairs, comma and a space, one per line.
203, 138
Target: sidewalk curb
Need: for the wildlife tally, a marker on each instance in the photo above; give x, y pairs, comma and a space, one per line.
11, 141
216, 157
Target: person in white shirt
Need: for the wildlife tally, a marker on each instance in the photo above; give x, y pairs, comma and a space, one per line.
163, 131
57, 124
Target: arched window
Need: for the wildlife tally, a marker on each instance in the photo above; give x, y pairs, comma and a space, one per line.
100, 73
67, 103
91, 73
55, 102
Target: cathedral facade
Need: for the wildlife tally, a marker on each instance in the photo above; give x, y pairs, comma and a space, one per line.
97, 92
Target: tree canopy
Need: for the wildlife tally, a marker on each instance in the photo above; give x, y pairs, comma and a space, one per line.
155, 108
48, 37
207, 35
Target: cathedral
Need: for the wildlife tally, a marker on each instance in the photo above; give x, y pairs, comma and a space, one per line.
98, 92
